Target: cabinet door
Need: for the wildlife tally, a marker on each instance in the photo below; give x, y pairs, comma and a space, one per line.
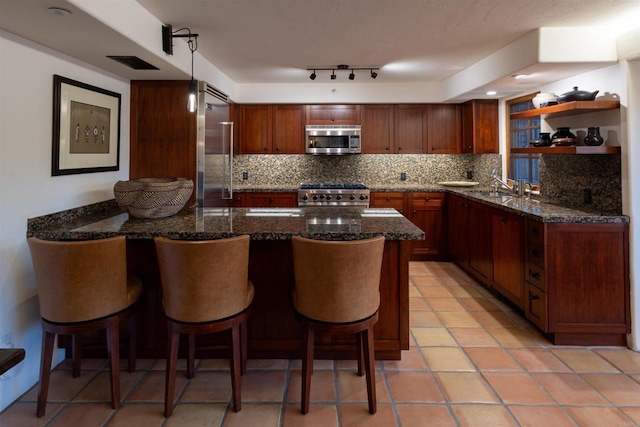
480, 242
443, 125
288, 129
333, 114
457, 230
425, 211
508, 256
377, 129
480, 126
410, 129
387, 200
269, 200
255, 129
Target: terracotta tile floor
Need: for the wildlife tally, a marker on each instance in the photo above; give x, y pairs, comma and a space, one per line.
473, 362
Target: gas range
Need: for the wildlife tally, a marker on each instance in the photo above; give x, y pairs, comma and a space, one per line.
333, 194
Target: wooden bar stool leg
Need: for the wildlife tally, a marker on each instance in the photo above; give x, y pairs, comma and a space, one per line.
172, 359
235, 367
360, 355
243, 348
307, 367
191, 355
369, 363
76, 356
133, 340
48, 339
113, 348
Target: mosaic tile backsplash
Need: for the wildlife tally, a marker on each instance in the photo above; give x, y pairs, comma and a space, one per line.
372, 169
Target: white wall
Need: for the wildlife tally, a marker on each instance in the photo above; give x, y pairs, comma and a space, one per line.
27, 188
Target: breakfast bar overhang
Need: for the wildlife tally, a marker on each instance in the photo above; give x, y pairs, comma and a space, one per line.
273, 331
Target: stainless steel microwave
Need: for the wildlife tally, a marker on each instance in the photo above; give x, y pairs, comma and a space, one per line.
332, 139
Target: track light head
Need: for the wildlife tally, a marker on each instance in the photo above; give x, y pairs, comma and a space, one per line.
352, 76
373, 74
313, 75
333, 74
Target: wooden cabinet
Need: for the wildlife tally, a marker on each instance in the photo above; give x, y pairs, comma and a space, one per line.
271, 129
410, 129
458, 230
480, 241
327, 114
378, 129
288, 129
256, 128
508, 256
425, 211
578, 282
265, 200
480, 126
163, 132
443, 129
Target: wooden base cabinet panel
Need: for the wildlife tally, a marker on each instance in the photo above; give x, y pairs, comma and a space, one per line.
508, 257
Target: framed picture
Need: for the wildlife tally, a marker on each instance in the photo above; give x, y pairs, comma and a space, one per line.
86, 128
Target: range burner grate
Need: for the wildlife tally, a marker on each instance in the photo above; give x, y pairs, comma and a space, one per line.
332, 186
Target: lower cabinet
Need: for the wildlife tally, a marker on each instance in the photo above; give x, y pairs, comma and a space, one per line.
265, 200
425, 210
571, 280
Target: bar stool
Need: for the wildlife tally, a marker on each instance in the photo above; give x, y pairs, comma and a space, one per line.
205, 289
337, 291
84, 286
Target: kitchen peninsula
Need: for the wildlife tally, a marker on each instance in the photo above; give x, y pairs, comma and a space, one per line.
273, 331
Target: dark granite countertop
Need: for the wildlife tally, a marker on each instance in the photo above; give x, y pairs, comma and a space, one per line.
325, 223
536, 208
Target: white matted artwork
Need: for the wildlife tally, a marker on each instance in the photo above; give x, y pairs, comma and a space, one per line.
86, 128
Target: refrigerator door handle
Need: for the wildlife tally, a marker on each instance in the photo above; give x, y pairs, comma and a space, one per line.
230, 139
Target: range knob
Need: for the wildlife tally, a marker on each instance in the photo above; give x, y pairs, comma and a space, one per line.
328, 197
315, 197
352, 197
305, 197
339, 197
363, 197
321, 196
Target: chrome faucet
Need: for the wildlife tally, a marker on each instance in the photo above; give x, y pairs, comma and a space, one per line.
497, 180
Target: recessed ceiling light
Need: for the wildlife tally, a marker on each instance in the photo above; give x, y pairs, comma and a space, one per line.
491, 92
520, 76
58, 11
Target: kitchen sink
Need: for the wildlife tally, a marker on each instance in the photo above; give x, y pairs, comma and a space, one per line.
483, 193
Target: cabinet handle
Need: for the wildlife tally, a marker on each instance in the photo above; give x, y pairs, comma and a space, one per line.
333, 119
533, 297
534, 274
399, 148
433, 148
388, 199
533, 252
503, 219
533, 230
402, 211
426, 199
264, 148
277, 148
387, 148
414, 211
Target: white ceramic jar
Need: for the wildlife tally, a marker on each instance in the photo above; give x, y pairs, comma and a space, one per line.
544, 98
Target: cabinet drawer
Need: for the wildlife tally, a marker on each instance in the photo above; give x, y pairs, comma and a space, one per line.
333, 114
536, 306
426, 200
535, 275
387, 200
534, 232
535, 253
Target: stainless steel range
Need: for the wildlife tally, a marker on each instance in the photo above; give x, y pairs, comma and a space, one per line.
333, 194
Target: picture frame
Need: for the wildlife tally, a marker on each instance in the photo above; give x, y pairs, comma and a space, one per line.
86, 128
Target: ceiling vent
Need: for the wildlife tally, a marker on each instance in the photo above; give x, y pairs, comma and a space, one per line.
133, 62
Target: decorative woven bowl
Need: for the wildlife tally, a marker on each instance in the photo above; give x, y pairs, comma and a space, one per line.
153, 197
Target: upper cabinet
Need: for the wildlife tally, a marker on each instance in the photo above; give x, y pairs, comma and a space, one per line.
327, 114
271, 129
377, 129
568, 109
410, 129
480, 126
443, 129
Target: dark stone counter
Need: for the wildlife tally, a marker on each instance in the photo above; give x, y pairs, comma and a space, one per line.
324, 223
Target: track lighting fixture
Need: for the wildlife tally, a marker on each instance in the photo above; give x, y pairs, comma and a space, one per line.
167, 46
342, 67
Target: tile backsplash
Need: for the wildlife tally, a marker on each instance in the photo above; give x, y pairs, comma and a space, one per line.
372, 169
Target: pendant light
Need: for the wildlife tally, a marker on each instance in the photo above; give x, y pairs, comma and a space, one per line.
167, 47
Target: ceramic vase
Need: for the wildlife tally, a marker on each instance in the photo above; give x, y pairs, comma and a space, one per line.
593, 137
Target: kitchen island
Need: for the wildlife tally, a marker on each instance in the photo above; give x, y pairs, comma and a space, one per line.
273, 331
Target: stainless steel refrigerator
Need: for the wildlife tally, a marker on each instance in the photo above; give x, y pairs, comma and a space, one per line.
214, 175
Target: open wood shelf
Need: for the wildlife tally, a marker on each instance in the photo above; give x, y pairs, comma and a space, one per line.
568, 108
576, 149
